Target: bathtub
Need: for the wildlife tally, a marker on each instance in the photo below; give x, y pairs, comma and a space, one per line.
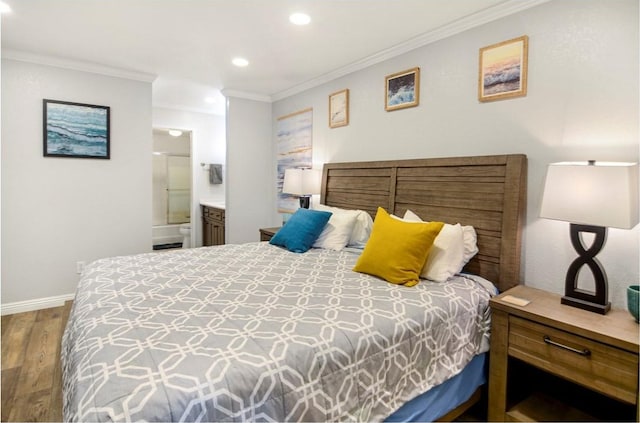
166, 234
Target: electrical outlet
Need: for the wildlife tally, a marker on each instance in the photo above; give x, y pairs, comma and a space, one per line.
79, 267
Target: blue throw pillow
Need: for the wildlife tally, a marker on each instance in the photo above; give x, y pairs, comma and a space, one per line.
301, 230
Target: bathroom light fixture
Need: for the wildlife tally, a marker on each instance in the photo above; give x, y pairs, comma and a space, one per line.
299, 19
240, 62
591, 196
4, 7
175, 132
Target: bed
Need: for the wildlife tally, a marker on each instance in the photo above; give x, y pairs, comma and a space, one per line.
255, 332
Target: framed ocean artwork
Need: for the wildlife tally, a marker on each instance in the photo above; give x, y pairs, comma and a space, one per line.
75, 130
402, 90
294, 134
339, 109
503, 70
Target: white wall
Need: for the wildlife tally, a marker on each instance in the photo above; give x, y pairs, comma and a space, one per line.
250, 170
58, 211
207, 146
165, 143
582, 103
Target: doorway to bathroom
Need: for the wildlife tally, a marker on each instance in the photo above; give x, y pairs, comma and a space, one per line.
171, 188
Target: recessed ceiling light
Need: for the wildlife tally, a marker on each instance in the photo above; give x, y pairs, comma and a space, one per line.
299, 19
240, 62
4, 7
175, 132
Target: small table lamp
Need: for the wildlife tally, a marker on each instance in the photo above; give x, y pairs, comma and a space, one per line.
591, 196
302, 182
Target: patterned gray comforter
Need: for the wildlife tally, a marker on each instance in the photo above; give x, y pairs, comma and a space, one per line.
254, 332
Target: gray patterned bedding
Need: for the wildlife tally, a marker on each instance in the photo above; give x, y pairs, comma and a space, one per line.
254, 332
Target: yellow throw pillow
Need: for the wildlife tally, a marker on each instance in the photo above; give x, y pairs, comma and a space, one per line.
397, 250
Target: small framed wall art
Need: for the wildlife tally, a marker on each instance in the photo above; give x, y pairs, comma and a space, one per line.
503, 70
339, 109
75, 130
402, 90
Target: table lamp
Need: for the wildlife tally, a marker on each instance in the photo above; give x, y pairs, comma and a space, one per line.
303, 183
591, 196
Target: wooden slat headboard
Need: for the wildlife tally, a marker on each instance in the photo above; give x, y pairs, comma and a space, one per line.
487, 192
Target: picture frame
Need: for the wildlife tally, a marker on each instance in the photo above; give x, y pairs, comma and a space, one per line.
502, 70
402, 90
76, 130
294, 149
339, 108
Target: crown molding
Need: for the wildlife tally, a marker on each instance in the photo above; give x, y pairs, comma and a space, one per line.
488, 15
77, 65
246, 95
480, 18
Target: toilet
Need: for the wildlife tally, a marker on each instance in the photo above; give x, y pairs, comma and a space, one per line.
185, 231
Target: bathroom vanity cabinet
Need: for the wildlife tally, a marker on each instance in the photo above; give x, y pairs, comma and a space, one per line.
212, 226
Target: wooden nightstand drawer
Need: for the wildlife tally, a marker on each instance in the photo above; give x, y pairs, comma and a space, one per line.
267, 233
603, 368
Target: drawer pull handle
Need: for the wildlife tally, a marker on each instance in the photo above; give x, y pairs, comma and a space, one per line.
584, 352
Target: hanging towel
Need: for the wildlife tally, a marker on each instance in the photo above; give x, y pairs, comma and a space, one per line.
215, 174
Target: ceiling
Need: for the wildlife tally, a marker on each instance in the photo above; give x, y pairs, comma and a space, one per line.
187, 45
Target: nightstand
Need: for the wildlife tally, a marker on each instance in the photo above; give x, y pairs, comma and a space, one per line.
555, 362
267, 233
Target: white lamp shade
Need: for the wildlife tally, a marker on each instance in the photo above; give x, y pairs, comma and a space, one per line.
302, 181
599, 194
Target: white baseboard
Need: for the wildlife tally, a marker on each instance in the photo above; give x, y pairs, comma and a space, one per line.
36, 304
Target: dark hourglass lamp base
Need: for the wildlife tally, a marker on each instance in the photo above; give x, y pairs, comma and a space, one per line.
596, 301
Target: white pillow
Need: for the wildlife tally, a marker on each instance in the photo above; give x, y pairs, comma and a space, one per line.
468, 232
361, 229
470, 243
447, 255
452, 249
337, 232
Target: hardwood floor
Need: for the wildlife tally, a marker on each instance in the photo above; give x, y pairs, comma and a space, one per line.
31, 373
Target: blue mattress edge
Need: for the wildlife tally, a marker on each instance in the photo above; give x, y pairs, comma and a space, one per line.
443, 398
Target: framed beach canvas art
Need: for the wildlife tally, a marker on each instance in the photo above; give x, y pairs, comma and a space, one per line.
402, 90
503, 70
75, 130
339, 109
294, 135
